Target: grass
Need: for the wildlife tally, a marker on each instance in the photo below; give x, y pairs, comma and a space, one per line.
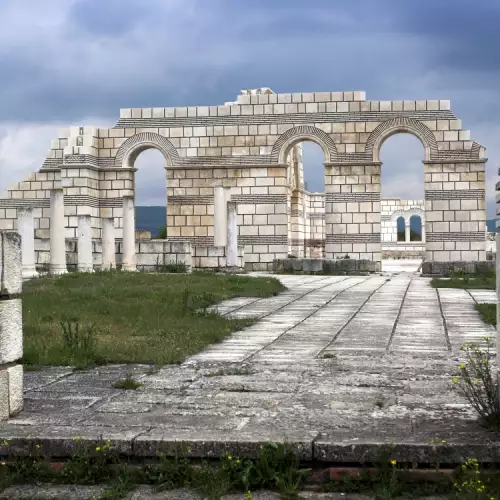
488, 312
486, 281
113, 317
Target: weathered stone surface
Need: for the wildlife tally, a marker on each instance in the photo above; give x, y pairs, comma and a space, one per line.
10, 263
337, 366
11, 330
52, 492
433, 268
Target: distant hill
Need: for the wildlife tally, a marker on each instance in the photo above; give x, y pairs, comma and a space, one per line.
150, 218
153, 219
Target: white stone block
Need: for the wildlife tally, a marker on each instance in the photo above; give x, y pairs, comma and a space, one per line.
11, 330
4, 395
10, 263
15, 378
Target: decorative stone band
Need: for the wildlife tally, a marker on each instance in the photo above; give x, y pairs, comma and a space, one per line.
25, 203
308, 242
469, 236
238, 198
385, 217
353, 238
315, 215
202, 241
81, 200
297, 213
292, 118
350, 197
459, 194
263, 240
110, 202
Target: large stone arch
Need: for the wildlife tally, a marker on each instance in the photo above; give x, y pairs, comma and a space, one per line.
303, 133
133, 146
401, 125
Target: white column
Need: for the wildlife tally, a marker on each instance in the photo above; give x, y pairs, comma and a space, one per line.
407, 231
129, 262
108, 243
423, 231
220, 217
232, 236
26, 229
85, 261
57, 233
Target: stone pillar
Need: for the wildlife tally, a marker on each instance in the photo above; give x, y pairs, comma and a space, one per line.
11, 325
108, 243
422, 230
129, 262
85, 261
407, 231
221, 197
497, 241
26, 230
232, 236
352, 212
57, 233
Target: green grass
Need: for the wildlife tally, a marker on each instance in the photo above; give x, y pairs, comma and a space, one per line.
486, 281
129, 317
488, 312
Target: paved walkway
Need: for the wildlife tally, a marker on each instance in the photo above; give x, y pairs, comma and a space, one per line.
336, 365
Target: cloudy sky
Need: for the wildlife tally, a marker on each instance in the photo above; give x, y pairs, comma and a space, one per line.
73, 62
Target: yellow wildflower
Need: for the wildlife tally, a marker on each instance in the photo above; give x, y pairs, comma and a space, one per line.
98, 448
486, 338
229, 457
462, 366
3, 463
249, 495
393, 462
37, 446
443, 441
455, 380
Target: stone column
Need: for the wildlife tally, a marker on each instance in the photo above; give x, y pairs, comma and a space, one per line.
232, 236
57, 233
221, 197
422, 230
407, 231
26, 230
108, 243
85, 262
129, 262
11, 325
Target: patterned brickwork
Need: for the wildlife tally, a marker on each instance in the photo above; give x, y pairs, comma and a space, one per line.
251, 145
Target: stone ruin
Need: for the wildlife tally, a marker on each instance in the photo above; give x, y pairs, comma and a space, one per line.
251, 149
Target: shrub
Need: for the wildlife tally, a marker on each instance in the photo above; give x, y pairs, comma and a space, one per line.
479, 385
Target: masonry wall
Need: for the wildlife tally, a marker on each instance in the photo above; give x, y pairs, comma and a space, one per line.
245, 145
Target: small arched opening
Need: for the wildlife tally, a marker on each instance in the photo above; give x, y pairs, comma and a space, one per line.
415, 228
400, 225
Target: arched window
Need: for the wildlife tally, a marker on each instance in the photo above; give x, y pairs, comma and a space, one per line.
400, 222
151, 192
415, 228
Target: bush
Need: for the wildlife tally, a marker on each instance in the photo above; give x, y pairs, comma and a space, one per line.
479, 385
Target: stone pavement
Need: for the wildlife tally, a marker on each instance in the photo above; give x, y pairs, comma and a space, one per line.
336, 366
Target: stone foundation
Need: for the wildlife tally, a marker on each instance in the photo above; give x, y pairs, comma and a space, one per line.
338, 266
150, 254
444, 269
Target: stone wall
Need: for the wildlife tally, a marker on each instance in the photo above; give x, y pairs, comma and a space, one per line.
150, 254
246, 146
11, 326
445, 269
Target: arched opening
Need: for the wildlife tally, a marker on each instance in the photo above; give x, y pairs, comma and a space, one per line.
400, 222
306, 199
415, 228
150, 192
402, 191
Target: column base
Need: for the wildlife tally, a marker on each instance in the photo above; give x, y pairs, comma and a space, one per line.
29, 274
57, 271
129, 269
85, 269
